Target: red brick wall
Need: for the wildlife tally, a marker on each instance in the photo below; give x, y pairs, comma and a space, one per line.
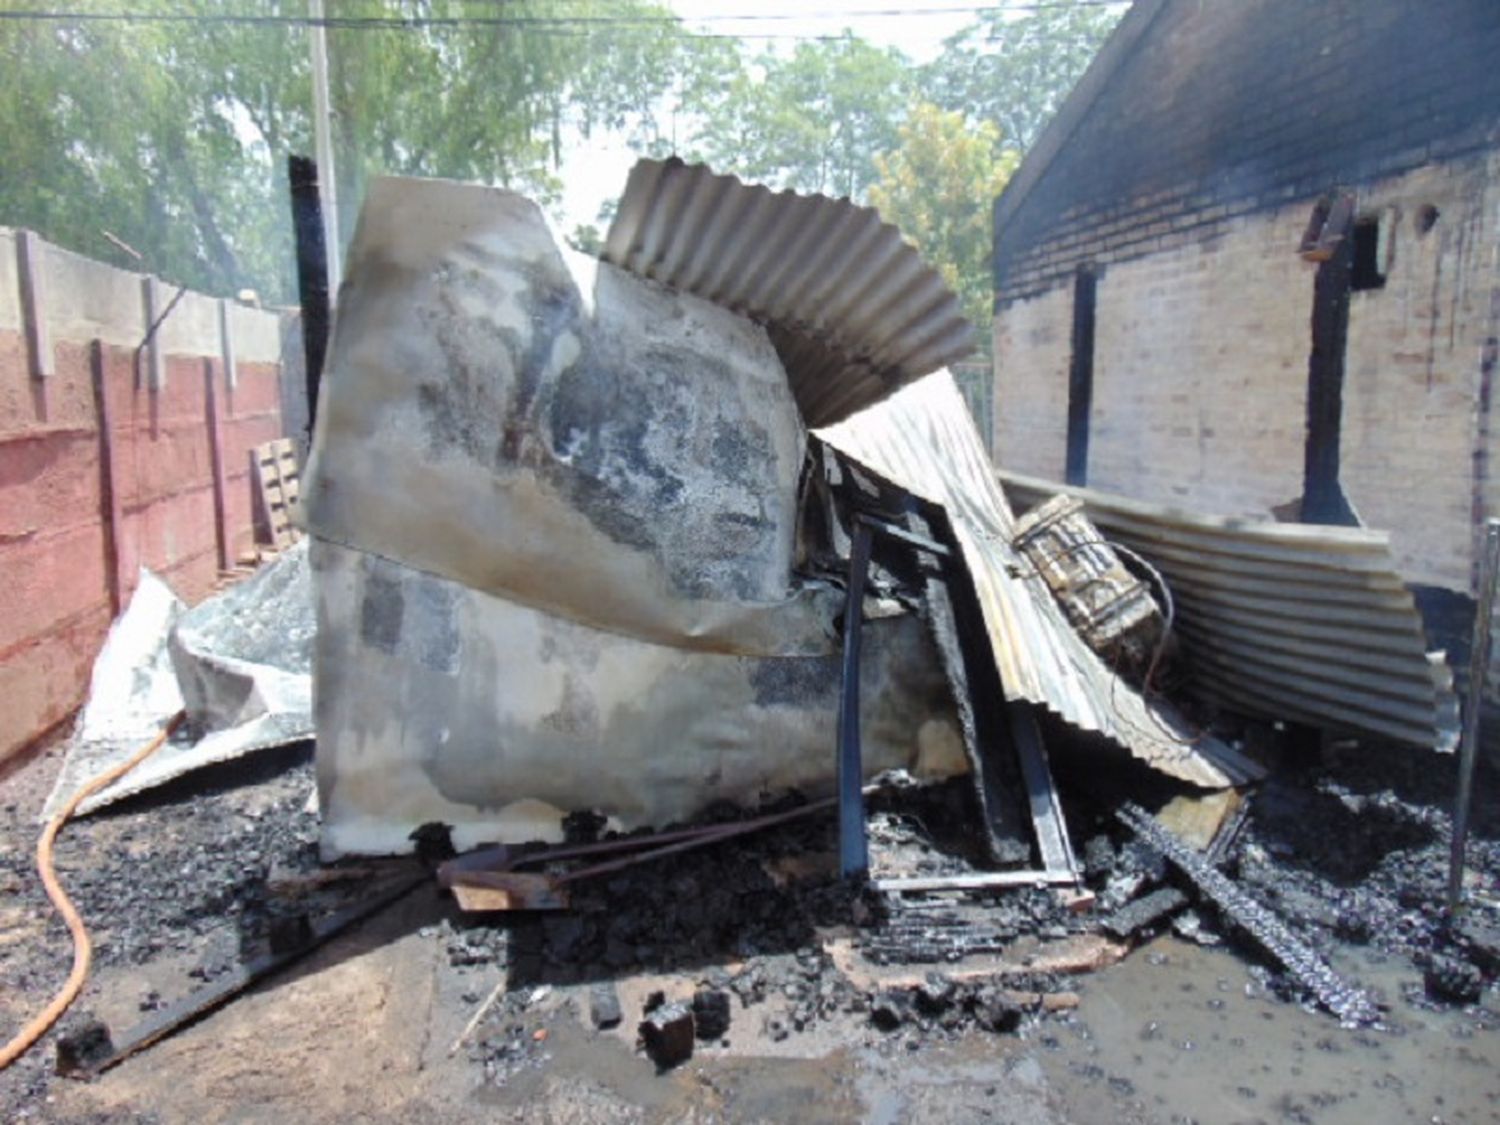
59, 560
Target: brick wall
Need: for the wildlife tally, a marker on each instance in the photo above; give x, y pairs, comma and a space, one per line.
1032, 344
1187, 184
83, 505
1417, 443
1227, 109
1200, 371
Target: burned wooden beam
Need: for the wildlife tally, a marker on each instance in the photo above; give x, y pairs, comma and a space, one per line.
1353, 1006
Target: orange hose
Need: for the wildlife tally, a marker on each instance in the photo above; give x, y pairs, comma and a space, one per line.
83, 951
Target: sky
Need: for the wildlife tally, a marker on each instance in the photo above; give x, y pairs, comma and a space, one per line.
919, 29
596, 173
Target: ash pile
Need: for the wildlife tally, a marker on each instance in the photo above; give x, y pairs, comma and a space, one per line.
670, 610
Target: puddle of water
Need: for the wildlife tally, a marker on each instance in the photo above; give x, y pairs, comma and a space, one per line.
1171, 1035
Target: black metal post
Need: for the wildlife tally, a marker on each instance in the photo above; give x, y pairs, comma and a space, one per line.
854, 856
312, 273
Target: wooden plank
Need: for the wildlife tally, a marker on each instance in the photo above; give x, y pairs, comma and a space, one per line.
109, 473
978, 881
216, 460
278, 485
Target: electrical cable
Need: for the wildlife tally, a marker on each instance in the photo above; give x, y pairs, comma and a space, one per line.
399, 22
83, 950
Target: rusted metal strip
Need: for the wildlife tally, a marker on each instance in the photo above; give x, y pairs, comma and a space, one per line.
500, 887
109, 483
195, 1005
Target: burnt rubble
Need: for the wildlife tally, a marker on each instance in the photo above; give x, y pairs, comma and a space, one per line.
900, 912
778, 935
1348, 848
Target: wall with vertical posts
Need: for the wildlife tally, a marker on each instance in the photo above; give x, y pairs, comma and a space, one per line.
116, 452
1186, 173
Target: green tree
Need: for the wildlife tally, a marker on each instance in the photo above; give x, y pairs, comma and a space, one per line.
491, 102
1015, 70
812, 120
141, 130
172, 134
938, 186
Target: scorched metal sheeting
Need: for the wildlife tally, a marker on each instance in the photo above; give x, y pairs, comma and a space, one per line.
853, 310
924, 439
1288, 621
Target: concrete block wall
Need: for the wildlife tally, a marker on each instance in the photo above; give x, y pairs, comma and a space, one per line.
1201, 358
100, 473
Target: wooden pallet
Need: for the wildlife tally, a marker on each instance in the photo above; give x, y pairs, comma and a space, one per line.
279, 489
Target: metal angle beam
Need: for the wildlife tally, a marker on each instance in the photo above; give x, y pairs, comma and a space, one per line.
854, 854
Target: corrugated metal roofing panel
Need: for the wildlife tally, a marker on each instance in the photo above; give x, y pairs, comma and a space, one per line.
852, 308
1287, 621
924, 439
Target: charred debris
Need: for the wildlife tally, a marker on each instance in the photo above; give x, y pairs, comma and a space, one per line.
812, 725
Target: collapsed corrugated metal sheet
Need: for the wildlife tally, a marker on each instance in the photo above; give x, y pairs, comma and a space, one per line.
924, 439
1287, 621
853, 310
498, 719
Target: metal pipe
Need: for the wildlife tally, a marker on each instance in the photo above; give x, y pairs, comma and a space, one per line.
1479, 659
323, 142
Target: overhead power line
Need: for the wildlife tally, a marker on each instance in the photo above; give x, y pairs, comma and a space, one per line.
398, 22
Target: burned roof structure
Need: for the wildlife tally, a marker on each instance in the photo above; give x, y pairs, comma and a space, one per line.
553, 509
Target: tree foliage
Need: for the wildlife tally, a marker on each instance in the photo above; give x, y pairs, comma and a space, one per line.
1015, 70
937, 186
172, 136
136, 129
813, 120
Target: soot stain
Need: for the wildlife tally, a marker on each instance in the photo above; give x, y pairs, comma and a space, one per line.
382, 609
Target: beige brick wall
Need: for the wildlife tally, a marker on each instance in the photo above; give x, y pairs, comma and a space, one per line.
1413, 370
1033, 343
1200, 370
